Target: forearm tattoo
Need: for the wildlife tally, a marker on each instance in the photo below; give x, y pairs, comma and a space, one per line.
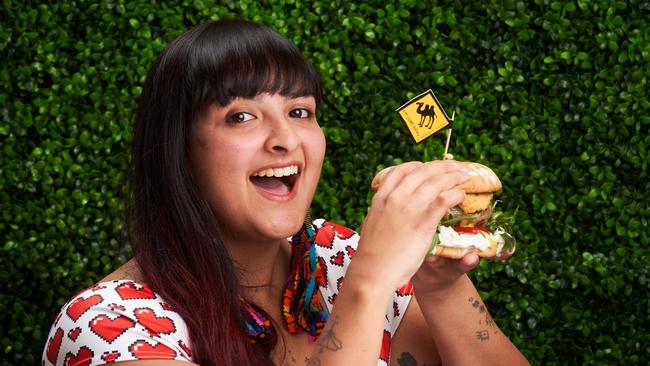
487, 325
407, 359
327, 341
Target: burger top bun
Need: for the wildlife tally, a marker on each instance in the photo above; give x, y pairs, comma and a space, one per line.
482, 178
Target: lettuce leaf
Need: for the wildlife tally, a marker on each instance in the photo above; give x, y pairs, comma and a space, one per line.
499, 221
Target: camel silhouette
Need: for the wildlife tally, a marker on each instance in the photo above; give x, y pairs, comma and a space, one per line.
427, 114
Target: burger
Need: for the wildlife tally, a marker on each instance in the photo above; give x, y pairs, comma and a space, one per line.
474, 226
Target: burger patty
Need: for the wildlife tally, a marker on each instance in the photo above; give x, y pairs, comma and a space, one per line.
476, 202
477, 218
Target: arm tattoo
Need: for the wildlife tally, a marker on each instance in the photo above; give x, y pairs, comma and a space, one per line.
487, 321
327, 341
483, 335
407, 359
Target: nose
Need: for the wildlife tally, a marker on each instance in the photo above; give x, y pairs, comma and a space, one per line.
283, 136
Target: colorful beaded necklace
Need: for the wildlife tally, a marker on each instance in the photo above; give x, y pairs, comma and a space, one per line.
301, 306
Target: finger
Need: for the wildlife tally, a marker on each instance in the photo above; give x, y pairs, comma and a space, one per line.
470, 261
457, 267
393, 176
432, 259
440, 205
435, 176
434, 185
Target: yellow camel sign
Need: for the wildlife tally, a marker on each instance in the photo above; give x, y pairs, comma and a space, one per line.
423, 116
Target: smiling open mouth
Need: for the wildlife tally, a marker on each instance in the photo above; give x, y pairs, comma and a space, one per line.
277, 181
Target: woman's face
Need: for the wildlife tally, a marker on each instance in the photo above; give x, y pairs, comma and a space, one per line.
257, 162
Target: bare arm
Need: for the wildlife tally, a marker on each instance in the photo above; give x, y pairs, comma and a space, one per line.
354, 330
394, 240
459, 321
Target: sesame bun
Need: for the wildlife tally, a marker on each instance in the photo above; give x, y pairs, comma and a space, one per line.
482, 178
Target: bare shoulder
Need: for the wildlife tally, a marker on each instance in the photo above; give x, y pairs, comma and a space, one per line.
412, 344
128, 271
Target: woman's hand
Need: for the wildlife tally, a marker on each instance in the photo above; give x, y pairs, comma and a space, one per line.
438, 276
405, 212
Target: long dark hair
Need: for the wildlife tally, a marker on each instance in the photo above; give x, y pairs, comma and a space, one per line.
173, 231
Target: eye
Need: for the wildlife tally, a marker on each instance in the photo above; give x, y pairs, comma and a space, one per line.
300, 113
240, 117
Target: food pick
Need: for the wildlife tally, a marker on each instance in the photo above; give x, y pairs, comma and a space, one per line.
447, 156
424, 116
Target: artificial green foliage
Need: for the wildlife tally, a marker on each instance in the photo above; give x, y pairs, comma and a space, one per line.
552, 94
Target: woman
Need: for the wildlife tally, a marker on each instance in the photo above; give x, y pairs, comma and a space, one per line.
227, 154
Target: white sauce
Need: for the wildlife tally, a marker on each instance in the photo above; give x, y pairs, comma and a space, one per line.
450, 238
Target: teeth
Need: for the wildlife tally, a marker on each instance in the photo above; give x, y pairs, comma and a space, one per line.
278, 172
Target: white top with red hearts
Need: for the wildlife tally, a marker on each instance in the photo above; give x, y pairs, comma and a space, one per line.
123, 320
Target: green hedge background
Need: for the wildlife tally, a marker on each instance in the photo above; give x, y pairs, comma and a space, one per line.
552, 94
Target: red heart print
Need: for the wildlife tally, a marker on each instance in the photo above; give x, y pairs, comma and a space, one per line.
153, 323
337, 259
110, 357
324, 237
143, 351
185, 348
74, 333
339, 283
351, 251
166, 306
405, 290
109, 329
128, 291
385, 347
54, 345
82, 358
80, 305
342, 232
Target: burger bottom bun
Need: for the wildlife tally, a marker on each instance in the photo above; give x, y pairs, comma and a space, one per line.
441, 250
